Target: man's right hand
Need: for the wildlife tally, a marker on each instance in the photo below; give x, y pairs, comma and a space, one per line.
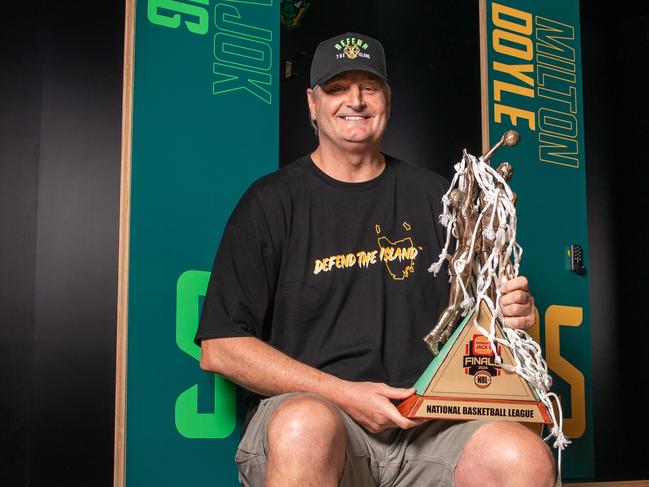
368, 403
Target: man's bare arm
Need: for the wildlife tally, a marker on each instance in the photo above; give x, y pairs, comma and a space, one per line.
261, 368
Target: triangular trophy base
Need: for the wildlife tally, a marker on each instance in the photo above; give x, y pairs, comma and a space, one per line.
463, 382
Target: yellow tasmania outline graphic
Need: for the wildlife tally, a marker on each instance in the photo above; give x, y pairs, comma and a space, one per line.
395, 253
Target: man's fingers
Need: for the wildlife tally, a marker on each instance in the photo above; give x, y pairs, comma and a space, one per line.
517, 310
520, 322
413, 423
397, 392
407, 423
404, 423
392, 413
515, 297
519, 282
399, 420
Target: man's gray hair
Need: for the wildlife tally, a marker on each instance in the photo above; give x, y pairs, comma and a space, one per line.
386, 91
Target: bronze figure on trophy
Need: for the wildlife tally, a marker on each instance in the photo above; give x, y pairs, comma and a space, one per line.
474, 242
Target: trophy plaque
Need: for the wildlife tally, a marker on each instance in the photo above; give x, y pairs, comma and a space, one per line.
482, 370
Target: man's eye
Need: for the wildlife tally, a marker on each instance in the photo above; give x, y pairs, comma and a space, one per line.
369, 88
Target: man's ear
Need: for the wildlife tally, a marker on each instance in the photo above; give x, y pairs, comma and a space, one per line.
311, 102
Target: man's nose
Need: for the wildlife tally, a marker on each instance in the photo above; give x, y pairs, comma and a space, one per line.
355, 99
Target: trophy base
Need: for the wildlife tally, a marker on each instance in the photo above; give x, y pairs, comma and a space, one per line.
463, 381
431, 407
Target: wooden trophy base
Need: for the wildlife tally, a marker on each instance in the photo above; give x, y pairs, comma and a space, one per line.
463, 381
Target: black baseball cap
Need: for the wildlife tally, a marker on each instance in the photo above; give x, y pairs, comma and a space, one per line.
347, 52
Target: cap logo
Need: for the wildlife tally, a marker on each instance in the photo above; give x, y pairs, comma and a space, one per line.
352, 51
351, 48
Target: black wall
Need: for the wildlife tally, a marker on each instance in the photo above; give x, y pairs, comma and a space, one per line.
59, 181
60, 121
615, 50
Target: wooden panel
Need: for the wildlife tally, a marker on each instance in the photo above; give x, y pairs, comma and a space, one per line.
123, 259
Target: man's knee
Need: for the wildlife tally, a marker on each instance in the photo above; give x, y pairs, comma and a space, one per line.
306, 427
510, 454
519, 446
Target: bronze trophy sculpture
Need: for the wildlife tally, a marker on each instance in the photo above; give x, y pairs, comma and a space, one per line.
482, 369
463, 202
467, 204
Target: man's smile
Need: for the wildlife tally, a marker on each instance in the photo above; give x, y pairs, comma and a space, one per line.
353, 118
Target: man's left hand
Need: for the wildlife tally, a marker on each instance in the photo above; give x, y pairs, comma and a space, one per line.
517, 304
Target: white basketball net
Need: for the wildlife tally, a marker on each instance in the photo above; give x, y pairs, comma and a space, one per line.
500, 266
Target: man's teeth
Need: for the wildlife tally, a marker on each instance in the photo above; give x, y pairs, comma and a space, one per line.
354, 118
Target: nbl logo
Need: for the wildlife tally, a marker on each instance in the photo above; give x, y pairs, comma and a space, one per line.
479, 361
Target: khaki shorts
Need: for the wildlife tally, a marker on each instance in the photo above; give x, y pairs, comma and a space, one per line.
425, 455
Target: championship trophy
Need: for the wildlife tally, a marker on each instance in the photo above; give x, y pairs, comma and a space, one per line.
481, 369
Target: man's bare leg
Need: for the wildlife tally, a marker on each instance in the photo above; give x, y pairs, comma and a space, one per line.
306, 444
505, 454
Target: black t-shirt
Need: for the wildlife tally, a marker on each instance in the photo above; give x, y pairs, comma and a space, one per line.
334, 274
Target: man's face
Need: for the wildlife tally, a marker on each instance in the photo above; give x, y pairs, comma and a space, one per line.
351, 110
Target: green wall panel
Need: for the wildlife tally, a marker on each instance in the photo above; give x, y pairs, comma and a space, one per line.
205, 125
534, 87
